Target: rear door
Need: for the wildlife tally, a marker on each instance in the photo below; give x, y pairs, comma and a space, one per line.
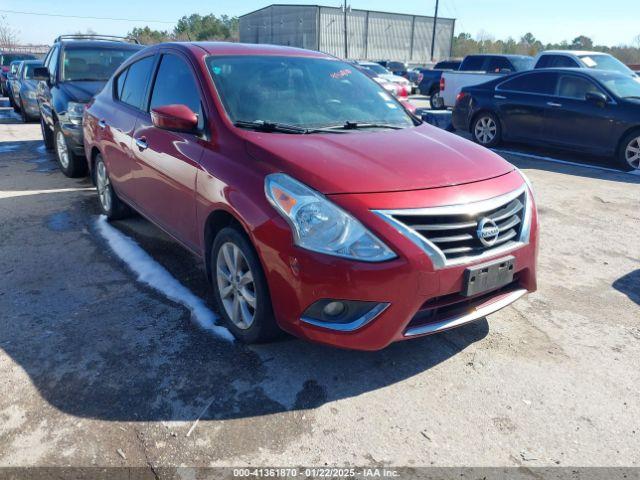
522, 103
574, 122
116, 125
167, 161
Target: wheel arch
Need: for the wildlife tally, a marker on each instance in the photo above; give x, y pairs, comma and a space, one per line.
482, 110
625, 134
92, 163
216, 221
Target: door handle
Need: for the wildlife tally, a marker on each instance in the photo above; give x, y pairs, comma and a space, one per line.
141, 143
102, 124
554, 104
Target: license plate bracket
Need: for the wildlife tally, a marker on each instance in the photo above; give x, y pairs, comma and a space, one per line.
488, 276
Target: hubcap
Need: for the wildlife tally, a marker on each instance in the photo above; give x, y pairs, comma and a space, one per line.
102, 184
236, 285
632, 153
61, 148
485, 130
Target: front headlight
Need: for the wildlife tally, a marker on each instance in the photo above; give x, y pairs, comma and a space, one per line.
31, 94
75, 111
321, 226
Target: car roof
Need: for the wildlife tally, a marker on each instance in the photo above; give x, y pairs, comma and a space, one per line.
99, 43
505, 55
595, 73
31, 62
577, 53
228, 48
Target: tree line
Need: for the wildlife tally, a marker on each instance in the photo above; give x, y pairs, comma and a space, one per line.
464, 44
192, 27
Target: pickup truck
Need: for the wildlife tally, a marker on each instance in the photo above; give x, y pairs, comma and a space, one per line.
477, 69
429, 84
580, 59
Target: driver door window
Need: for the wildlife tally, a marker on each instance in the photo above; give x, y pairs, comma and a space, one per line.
574, 87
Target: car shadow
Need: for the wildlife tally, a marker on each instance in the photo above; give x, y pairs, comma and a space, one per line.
629, 284
139, 357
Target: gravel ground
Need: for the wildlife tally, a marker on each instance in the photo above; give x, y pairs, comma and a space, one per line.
99, 369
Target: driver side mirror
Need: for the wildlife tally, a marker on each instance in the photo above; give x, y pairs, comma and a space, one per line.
176, 118
597, 98
41, 73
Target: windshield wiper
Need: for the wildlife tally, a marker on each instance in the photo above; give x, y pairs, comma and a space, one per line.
263, 126
358, 125
633, 96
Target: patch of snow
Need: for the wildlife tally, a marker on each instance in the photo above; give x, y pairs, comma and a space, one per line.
157, 277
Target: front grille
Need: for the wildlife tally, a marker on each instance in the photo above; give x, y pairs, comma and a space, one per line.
451, 233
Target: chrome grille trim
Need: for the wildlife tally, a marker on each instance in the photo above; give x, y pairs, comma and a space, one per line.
437, 248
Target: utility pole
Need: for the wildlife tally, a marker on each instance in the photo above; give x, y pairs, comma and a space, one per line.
346, 45
433, 36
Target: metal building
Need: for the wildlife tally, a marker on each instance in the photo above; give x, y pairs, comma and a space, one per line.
370, 35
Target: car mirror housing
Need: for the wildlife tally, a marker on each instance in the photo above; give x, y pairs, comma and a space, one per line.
177, 118
40, 73
597, 98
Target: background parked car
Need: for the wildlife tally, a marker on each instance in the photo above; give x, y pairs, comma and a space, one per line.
430, 82
391, 87
579, 59
11, 75
75, 69
24, 89
476, 69
404, 84
592, 111
6, 58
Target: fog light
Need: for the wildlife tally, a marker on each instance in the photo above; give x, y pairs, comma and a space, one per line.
334, 309
342, 315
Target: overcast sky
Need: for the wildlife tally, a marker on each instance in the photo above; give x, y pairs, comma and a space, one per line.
611, 23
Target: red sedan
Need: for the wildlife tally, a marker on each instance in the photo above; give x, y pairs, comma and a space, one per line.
319, 205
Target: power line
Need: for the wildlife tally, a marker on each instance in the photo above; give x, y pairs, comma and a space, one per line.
86, 18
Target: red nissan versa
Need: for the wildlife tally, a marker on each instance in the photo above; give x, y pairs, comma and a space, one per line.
319, 204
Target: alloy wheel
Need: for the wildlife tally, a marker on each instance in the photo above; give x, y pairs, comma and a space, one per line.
103, 186
62, 150
236, 285
485, 130
632, 153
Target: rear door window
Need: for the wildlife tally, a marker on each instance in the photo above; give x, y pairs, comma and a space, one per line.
134, 87
176, 85
474, 63
540, 83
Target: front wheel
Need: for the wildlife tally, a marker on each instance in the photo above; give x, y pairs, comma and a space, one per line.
240, 288
486, 130
47, 134
23, 113
110, 204
629, 154
70, 164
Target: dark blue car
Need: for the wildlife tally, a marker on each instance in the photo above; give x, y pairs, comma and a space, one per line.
591, 111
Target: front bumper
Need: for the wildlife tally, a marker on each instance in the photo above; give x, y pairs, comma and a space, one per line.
75, 137
421, 298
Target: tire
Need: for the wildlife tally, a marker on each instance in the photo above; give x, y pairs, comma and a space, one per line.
250, 323
70, 164
436, 101
12, 103
628, 157
47, 135
110, 204
486, 130
23, 113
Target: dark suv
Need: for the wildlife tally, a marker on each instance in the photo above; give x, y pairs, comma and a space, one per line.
75, 69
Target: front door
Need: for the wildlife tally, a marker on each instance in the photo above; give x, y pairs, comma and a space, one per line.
573, 121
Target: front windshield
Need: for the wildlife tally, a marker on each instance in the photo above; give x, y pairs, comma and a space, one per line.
522, 63
300, 91
623, 87
605, 62
92, 64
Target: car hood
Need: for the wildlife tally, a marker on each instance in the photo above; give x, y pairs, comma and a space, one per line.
81, 91
377, 161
